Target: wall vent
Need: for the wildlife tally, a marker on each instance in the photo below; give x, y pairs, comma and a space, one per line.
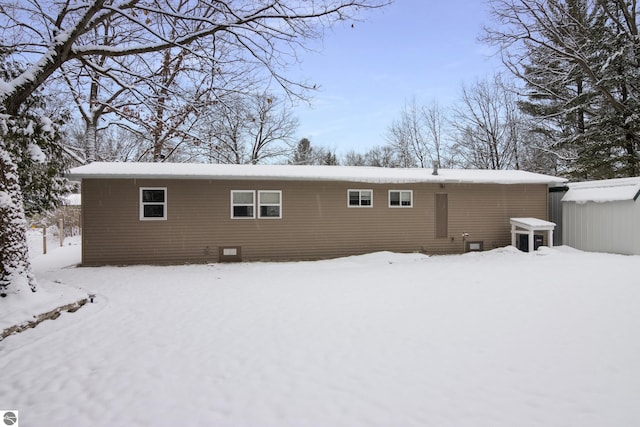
230, 253
475, 246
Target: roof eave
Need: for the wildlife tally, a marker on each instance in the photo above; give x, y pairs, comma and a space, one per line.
430, 180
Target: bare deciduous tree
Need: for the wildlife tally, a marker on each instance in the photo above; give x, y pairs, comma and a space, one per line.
271, 128
352, 158
54, 34
407, 136
417, 136
248, 130
487, 133
435, 123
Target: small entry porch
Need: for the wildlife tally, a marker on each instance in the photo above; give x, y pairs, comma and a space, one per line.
530, 226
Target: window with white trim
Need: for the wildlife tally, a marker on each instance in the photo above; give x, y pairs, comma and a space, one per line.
153, 203
400, 198
243, 204
269, 204
360, 198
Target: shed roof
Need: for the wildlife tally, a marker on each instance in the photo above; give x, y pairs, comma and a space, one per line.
532, 223
607, 190
305, 173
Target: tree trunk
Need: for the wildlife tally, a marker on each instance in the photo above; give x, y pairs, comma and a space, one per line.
91, 121
15, 268
90, 140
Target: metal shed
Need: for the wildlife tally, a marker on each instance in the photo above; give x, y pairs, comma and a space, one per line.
603, 216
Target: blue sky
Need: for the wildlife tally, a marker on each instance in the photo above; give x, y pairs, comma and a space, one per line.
422, 49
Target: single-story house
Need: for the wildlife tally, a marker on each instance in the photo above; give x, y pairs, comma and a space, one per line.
162, 213
603, 216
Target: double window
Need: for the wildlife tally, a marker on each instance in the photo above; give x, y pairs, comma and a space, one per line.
360, 198
153, 203
400, 198
243, 204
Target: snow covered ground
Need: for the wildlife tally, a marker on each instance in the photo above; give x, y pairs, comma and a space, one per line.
499, 338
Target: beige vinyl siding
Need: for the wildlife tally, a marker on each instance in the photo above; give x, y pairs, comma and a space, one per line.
316, 220
483, 211
114, 234
442, 215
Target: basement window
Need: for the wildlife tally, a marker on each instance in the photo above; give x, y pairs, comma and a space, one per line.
243, 204
153, 203
360, 198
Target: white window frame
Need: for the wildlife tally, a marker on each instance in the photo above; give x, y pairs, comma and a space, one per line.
360, 205
143, 204
279, 205
400, 205
253, 204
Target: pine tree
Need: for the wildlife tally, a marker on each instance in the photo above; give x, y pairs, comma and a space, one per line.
31, 165
580, 64
303, 154
330, 159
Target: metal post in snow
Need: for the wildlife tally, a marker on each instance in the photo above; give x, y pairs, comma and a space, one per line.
44, 239
61, 230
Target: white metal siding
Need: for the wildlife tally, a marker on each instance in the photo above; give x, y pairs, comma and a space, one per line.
555, 215
602, 227
635, 227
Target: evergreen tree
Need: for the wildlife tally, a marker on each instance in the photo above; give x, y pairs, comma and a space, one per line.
330, 159
33, 140
580, 62
303, 154
31, 165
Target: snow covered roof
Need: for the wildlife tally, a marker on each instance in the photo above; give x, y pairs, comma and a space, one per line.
532, 223
306, 173
608, 190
